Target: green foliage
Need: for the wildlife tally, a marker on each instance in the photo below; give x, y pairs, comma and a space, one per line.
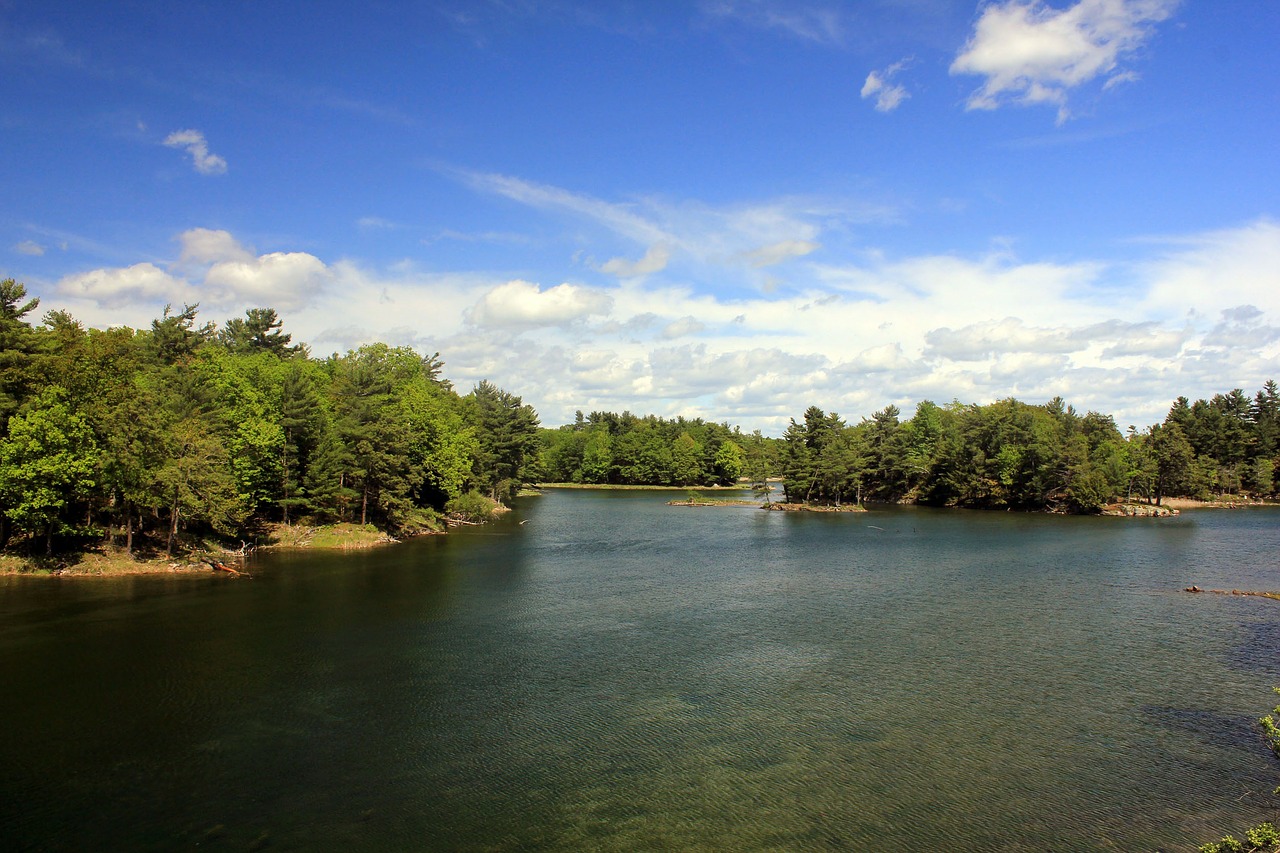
182, 428
1262, 835
1270, 730
506, 433
730, 462
259, 331
48, 464
471, 506
604, 447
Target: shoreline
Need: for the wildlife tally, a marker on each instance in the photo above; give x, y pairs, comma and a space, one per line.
619, 487
109, 561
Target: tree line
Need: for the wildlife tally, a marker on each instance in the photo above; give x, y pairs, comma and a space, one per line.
1011, 454
189, 427
625, 449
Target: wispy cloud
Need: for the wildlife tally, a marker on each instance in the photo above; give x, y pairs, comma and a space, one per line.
654, 260
204, 161
1032, 53
888, 95
29, 247
819, 23
678, 234
42, 46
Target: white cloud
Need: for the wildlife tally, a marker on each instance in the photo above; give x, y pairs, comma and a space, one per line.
620, 218
522, 304
807, 21
204, 246
776, 253
654, 260
1204, 272
124, 285
698, 234
284, 280
981, 341
683, 327
29, 247
1032, 53
204, 161
888, 95
214, 269
1200, 315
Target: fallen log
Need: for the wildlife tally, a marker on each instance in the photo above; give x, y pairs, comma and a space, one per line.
219, 566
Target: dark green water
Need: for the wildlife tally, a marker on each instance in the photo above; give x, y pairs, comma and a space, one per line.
617, 674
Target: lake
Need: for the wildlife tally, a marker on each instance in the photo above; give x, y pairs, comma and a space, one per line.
600, 671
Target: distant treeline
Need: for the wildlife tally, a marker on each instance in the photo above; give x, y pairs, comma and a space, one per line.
1012, 454
1007, 454
185, 426
625, 449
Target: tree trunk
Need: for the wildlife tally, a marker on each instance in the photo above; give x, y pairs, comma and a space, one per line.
128, 531
173, 525
364, 506
48, 541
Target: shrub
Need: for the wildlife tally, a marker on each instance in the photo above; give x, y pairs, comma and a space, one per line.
471, 506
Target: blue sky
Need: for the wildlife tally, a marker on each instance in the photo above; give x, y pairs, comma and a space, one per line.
730, 209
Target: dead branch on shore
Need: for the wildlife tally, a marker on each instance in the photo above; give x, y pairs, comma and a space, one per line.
219, 566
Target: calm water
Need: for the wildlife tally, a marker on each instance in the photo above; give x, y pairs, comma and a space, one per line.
616, 674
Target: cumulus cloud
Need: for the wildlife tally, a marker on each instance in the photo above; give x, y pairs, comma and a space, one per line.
114, 287
980, 341
282, 279
204, 161
1199, 315
29, 247
654, 260
1242, 326
522, 304
879, 84
205, 246
213, 269
1032, 53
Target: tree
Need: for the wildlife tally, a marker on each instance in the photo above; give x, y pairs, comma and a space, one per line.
758, 465
507, 436
259, 331
299, 421
195, 481
17, 347
730, 461
1173, 457
48, 463
597, 456
175, 337
687, 462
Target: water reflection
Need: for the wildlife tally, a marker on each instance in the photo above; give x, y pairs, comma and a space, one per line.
617, 674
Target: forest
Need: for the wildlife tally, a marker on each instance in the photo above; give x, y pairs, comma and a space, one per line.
137, 437
1011, 454
1007, 454
628, 450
